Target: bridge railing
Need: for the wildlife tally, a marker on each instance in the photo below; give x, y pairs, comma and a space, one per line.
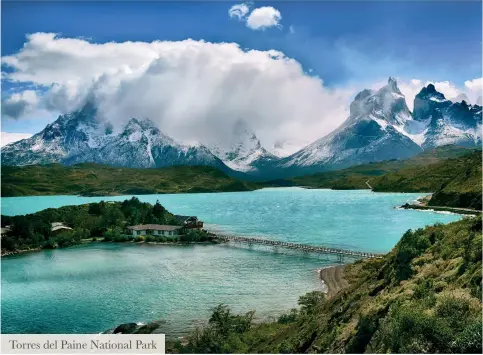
312, 248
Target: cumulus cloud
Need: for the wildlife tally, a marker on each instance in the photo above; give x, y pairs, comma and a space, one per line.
264, 17
474, 90
8, 138
193, 90
239, 11
475, 84
19, 104
259, 19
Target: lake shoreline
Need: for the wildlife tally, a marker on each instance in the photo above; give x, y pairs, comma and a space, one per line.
422, 204
85, 242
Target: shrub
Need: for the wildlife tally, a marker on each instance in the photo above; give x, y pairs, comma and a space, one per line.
310, 301
194, 236
412, 330
411, 245
288, 318
469, 340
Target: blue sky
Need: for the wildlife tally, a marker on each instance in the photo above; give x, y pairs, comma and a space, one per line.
440, 39
344, 43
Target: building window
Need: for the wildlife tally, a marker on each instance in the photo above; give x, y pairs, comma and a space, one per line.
169, 233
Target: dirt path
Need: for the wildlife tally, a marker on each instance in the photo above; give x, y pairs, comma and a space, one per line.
333, 277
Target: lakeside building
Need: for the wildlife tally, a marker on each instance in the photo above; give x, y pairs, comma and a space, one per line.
155, 229
5, 230
190, 222
58, 227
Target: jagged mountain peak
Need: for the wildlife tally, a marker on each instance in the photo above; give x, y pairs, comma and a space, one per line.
445, 122
379, 127
429, 92
392, 85
386, 105
78, 137
137, 125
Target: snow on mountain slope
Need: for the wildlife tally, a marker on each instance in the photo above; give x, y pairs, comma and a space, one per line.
445, 122
380, 127
79, 137
374, 131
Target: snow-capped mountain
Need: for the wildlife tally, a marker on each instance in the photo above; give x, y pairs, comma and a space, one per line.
374, 131
380, 127
245, 153
78, 137
441, 121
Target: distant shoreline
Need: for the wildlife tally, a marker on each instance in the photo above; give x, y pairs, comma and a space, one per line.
422, 204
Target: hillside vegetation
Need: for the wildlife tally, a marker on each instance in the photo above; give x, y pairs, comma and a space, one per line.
422, 297
355, 177
452, 174
101, 180
455, 182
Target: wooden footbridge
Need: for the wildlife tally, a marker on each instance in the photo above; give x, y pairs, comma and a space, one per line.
303, 247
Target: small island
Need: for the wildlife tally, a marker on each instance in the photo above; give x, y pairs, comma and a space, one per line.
127, 221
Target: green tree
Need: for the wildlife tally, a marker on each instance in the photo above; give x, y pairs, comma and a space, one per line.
158, 210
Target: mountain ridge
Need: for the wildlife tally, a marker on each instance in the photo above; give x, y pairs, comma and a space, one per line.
380, 127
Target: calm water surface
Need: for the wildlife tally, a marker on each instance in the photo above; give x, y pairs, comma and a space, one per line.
91, 288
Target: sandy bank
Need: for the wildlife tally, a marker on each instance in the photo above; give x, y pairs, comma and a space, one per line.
333, 278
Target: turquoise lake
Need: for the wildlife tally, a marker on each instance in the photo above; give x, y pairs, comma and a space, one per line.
88, 289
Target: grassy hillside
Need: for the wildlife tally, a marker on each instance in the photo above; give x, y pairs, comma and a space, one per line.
422, 297
452, 174
93, 179
455, 182
355, 177
463, 190
428, 178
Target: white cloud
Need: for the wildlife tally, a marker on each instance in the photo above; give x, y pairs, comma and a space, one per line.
19, 104
264, 17
474, 90
475, 84
193, 90
239, 11
291, 29
259, 19
8, 138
